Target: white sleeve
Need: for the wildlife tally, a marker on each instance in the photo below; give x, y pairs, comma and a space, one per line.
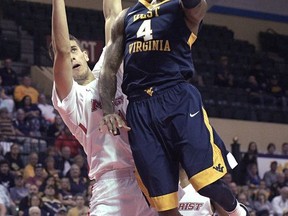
98, 66
70, 107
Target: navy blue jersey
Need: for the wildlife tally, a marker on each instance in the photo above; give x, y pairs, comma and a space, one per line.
157, 46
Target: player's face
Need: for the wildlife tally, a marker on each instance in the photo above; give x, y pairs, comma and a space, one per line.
79, 61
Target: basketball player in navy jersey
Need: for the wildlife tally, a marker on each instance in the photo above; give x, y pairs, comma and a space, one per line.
165, 113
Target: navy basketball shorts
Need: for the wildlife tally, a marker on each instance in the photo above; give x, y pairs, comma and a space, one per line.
168, 128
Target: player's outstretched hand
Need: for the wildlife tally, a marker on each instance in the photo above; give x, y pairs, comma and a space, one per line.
113, 123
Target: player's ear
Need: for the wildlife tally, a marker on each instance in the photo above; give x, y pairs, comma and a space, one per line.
86, 55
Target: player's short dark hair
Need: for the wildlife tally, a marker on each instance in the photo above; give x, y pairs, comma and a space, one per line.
71, 37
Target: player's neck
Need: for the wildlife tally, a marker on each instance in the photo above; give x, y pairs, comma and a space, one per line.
90, 77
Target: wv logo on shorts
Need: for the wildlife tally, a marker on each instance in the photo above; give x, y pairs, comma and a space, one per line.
149, 91
219, 168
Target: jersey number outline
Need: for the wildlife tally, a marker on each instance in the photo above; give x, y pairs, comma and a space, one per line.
145, 30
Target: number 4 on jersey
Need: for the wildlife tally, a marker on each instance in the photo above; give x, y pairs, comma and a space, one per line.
145, 30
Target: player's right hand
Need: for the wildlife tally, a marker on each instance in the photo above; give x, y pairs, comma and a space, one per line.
113, 123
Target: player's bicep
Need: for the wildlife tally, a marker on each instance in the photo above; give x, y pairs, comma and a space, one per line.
194, 16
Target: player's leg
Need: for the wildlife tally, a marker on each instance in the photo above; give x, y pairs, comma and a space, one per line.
204, 156
158, 171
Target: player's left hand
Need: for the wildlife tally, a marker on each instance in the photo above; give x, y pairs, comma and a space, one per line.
113, 123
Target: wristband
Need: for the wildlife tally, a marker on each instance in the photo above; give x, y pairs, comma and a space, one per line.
190, 3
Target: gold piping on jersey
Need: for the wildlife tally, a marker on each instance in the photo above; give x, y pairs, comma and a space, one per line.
150, 6
217, 170
191, 39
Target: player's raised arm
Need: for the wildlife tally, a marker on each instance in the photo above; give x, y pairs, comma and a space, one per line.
195, 11
111, 9
62, 67
108, 80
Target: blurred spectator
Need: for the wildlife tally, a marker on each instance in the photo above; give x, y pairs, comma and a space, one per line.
254, 90
78, 183
5, 199
65, 195
34, 201
274, 89
80, 206
5, 99
50, 180
24, 89
270, 176
82, 163
9, 75
50, 167
62, 212
258, 72
6, 178
56, 128
21, 124
227, 178
7, 130
275, 187
271, 149
64, 160
280, 203
34, 211
39, 177
242, 198
51, 203
38, 125
66, 138
250, 157
262, 205
284, 149
234, 188
285, 172
19, 191
224, 77
25, 202
252, 178
29, 168
48, 111
15, 160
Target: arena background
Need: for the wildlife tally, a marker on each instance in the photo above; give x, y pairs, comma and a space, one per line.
246, 18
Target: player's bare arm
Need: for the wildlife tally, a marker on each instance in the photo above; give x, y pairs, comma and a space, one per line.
62, 67
108, 80
111, 9
195, 11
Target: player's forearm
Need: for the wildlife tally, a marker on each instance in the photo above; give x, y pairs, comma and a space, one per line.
60, 33
108, 80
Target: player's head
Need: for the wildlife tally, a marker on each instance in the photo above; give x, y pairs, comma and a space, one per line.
79, 59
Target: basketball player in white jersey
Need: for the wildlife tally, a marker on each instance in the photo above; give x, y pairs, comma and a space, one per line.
75, 96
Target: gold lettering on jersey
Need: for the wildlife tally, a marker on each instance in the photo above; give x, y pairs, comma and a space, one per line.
150, 14
152, 45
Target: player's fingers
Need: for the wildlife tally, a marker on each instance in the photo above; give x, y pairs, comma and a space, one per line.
114, 124
121, 123
101, 125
